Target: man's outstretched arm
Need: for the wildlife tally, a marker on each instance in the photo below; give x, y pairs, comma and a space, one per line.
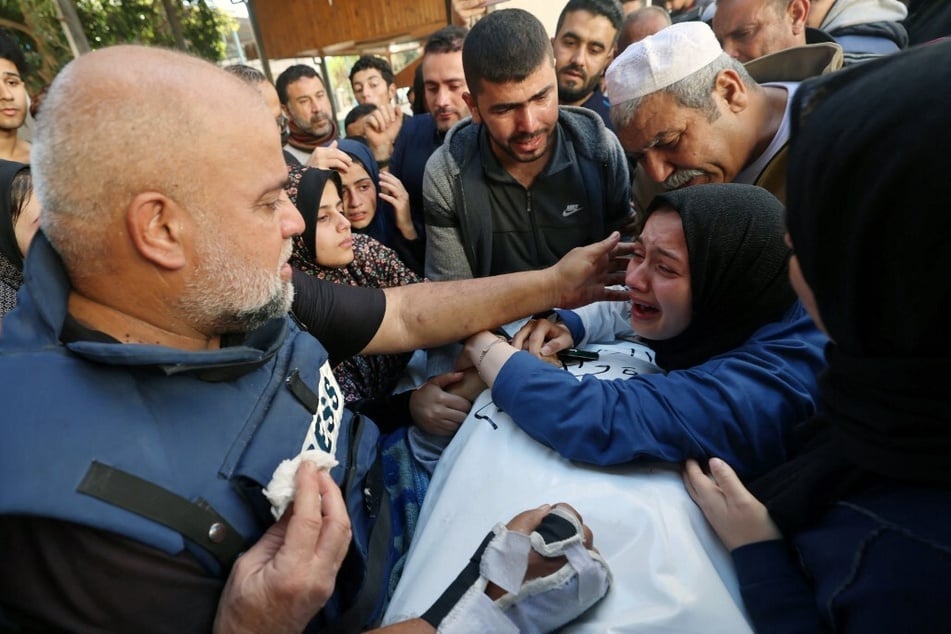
435, 313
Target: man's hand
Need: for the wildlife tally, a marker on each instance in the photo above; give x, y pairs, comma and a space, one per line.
437, 410
539, 566
737, 517
582, 275
463, 11
329, 158
542, 337
282, 581
382, 127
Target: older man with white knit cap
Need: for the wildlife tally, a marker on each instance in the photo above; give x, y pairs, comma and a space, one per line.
688, 113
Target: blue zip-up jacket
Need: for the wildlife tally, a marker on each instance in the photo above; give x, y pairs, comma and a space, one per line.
738, 406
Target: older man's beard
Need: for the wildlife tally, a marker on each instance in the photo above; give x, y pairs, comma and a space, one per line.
223, 298
680, 178
320, 124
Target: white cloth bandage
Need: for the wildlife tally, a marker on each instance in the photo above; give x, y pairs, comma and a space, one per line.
505, 560
280, 490
476, 613
538, 605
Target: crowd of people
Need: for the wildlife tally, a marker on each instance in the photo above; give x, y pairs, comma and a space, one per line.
205, 360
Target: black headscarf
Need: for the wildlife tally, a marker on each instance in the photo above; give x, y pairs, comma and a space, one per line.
8, 240
310, 190
738, 268
868, 215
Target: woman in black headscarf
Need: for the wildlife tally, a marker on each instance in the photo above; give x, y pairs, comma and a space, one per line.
853, 533
19, 219
709, 292
328, 250
352, 259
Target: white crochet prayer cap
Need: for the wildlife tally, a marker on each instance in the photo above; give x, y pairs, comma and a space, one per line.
660, 60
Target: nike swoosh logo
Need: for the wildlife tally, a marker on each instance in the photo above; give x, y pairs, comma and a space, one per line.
571, 209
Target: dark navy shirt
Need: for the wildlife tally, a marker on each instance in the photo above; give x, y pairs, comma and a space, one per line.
417, 140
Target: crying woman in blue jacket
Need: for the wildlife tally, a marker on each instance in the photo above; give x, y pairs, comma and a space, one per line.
710, 294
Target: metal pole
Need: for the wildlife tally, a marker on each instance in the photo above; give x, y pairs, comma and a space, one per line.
259, 41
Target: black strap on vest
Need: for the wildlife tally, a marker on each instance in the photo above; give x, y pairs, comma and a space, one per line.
197, 521
301, 392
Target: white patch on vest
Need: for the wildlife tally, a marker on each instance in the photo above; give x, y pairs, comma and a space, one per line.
320, 443
325, 424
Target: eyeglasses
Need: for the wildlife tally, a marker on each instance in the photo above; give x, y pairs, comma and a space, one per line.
281, 121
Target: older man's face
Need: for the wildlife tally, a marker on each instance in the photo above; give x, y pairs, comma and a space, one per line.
240, 276
748, 29
309, 106
678, 146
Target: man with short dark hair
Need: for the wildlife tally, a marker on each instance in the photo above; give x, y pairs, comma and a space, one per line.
354, 124
13, 101
584, 44
307, 104
372, 81
444, 84
524, 181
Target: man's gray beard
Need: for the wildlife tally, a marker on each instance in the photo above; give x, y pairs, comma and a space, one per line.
680, 178
219, 316
245, 321
323, 121
216, 300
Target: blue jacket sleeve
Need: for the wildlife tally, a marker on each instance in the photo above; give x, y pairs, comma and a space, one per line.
738, 406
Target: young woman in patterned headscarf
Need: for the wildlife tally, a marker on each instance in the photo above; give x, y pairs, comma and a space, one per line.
329, 250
